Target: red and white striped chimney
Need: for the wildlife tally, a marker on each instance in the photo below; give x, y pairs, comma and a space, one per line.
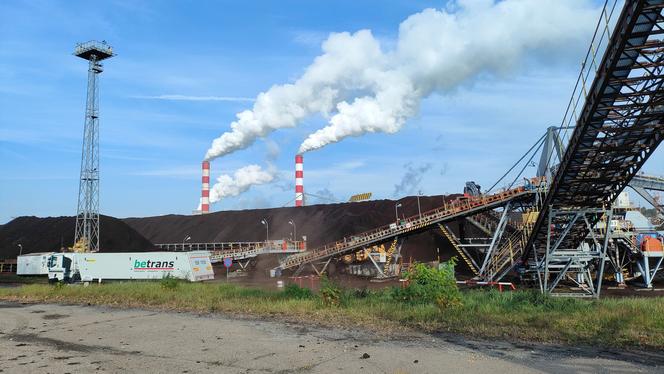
299, 184
205, 192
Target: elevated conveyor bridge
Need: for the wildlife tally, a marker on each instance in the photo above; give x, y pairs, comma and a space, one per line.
618, 127
238, 250
427, 220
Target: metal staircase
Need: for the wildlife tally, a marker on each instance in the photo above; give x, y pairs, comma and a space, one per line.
389, 254
506, 257
457, 246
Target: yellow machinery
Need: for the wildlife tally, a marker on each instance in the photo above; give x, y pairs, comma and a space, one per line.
363, 254
360, 197
80, 246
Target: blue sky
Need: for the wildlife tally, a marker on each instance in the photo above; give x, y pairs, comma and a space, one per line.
151, 149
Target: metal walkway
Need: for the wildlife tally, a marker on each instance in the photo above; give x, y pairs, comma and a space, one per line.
409, 226
238, 250
617, 129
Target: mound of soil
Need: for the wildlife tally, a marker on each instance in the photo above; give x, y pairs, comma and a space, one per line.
52, 233
321, 224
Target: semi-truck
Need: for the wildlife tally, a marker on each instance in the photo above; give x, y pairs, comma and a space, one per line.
87, 267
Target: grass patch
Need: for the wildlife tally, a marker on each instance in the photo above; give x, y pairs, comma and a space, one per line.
293, 291
520, 315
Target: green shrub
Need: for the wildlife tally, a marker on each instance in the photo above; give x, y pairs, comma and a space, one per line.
330, 293
169, 282
293, 291
430, 285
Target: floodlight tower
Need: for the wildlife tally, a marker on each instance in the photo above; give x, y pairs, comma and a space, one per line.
86, 238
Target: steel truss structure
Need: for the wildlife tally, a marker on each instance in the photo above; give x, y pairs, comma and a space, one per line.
238, 250
461, 249
86, 238
617, 129
576, 264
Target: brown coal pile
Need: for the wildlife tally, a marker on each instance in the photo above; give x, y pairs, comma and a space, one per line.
321, 224
50, 234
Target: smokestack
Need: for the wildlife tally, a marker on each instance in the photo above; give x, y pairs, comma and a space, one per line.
299, 184
205, 192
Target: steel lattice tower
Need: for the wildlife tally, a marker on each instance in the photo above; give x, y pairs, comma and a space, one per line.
86, 238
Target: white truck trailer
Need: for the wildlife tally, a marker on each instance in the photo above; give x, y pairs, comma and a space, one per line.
33, 263
87, 267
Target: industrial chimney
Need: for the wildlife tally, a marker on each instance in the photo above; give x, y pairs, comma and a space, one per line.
299, 184
205, 192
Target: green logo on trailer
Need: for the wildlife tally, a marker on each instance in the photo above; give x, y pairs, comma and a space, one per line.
153, 265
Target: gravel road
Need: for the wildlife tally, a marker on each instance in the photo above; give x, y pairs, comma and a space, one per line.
47, 338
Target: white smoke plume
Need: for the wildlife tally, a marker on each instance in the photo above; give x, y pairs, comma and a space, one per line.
330, 78
362, 88
242, 179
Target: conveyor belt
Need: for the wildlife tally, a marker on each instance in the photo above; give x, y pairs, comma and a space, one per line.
619, 127
409, 226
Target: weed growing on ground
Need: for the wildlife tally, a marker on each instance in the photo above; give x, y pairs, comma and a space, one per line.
430, 285
330, 293
169, 282
293, 291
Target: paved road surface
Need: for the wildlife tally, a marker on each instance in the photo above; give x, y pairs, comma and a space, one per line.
72, 339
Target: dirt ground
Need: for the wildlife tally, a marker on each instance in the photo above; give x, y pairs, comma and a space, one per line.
61, 338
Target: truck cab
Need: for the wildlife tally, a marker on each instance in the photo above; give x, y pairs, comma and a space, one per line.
60, 268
